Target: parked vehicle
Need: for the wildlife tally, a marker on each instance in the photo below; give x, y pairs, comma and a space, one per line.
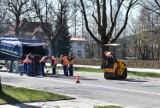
13, 50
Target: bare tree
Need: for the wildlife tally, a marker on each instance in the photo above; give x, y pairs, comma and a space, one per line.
17, 8
106, 15
3, 21
148, 37
49, 14
152, 5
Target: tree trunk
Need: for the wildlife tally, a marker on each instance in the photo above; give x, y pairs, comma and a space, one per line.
1, 91
104, 49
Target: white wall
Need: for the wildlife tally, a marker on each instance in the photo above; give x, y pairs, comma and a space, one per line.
78, 49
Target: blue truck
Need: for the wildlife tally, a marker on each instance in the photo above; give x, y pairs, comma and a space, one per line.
13, 50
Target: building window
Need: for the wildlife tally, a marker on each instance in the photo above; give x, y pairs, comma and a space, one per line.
79, 53
79, 43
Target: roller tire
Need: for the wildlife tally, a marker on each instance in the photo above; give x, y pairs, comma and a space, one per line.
124, 76
116, 74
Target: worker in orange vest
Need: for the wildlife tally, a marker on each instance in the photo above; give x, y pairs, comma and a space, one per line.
54, 65
24, 67
111, 58
29, 60
64, 62
71, 62
42, 64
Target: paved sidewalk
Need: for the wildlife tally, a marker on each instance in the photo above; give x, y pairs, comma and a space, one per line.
75, 103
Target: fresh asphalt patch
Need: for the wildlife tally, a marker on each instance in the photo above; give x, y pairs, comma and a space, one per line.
69, 77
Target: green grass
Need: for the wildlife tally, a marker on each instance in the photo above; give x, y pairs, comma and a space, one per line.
12, 94
110, 106
142, 74
145, 74
87, 70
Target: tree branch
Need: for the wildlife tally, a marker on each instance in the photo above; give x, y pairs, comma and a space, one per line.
86, 23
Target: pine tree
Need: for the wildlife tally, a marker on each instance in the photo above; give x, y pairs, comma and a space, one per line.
63, 44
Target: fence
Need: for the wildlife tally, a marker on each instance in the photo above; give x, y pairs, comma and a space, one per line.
153, 64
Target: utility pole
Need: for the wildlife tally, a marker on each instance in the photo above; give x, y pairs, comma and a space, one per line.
82, 25
1, 91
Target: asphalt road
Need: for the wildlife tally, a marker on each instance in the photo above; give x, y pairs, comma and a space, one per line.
133, 92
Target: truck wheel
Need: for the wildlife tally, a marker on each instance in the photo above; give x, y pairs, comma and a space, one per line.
105, 75
9, 66
15, 66
124, 76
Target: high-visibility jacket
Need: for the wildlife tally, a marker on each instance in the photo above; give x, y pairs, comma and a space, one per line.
64, 61
28, 59
24, 61
54, 60
71, 60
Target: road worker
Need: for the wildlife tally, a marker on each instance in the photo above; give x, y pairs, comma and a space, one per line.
108, 60
110, 57
64, 62
54, 65
71, 62
24, 67
42, 64
29, 60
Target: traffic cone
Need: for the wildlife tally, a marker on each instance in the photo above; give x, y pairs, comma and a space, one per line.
77, 79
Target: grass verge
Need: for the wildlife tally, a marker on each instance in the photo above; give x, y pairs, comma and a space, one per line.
141, 74
145, 74
12, 95
110, 106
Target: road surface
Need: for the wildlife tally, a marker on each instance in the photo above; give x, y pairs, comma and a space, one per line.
133, 92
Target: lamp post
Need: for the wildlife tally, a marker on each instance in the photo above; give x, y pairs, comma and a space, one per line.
1, 91
155, 50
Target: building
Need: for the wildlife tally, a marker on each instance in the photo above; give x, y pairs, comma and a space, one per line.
33, 30
78, 47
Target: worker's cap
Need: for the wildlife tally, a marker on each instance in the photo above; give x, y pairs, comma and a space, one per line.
108, 54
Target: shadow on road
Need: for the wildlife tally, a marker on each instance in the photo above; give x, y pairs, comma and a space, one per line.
69, 77
134, 80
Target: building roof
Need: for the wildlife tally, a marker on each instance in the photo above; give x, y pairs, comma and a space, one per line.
77, 39
29, 29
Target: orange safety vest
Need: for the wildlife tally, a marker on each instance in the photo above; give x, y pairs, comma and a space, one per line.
71, 62
28, 60
24, 61
64, 61
55, 60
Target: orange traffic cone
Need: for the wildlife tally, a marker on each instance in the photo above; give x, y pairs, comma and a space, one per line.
77, 79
